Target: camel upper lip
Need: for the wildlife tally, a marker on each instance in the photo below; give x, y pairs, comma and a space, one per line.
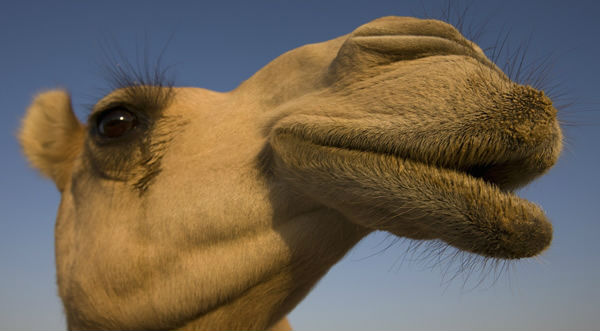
507, 173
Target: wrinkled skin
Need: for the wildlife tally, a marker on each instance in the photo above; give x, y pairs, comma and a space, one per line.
206, 210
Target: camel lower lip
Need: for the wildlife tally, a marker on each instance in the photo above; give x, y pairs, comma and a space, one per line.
514, 227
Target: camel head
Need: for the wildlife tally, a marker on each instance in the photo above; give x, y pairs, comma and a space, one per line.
193, 209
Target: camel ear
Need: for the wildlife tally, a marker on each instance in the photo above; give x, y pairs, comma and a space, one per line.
51, 136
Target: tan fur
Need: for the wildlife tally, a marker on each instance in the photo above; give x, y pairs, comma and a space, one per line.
51, 136
222, 210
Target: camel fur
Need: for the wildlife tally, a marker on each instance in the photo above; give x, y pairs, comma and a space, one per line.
184, 208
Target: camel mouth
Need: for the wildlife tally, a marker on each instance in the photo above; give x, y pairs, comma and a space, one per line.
471, 208
506, 176
485, 172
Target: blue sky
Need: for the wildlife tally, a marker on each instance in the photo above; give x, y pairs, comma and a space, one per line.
49, 44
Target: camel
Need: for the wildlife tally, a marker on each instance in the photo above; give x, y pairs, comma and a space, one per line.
185, 208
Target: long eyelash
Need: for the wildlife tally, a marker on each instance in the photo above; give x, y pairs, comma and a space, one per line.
146, 81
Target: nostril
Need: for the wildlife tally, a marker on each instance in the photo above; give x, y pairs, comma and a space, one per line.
393, 39
390, 25
409, 47
410, 26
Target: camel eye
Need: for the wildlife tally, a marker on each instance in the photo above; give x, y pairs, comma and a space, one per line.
115, 123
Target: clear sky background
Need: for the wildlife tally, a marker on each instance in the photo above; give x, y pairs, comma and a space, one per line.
219, 44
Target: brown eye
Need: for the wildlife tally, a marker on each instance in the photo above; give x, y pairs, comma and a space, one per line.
115, 123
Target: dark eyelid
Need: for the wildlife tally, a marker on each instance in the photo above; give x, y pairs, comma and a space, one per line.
115, 104
148, 101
